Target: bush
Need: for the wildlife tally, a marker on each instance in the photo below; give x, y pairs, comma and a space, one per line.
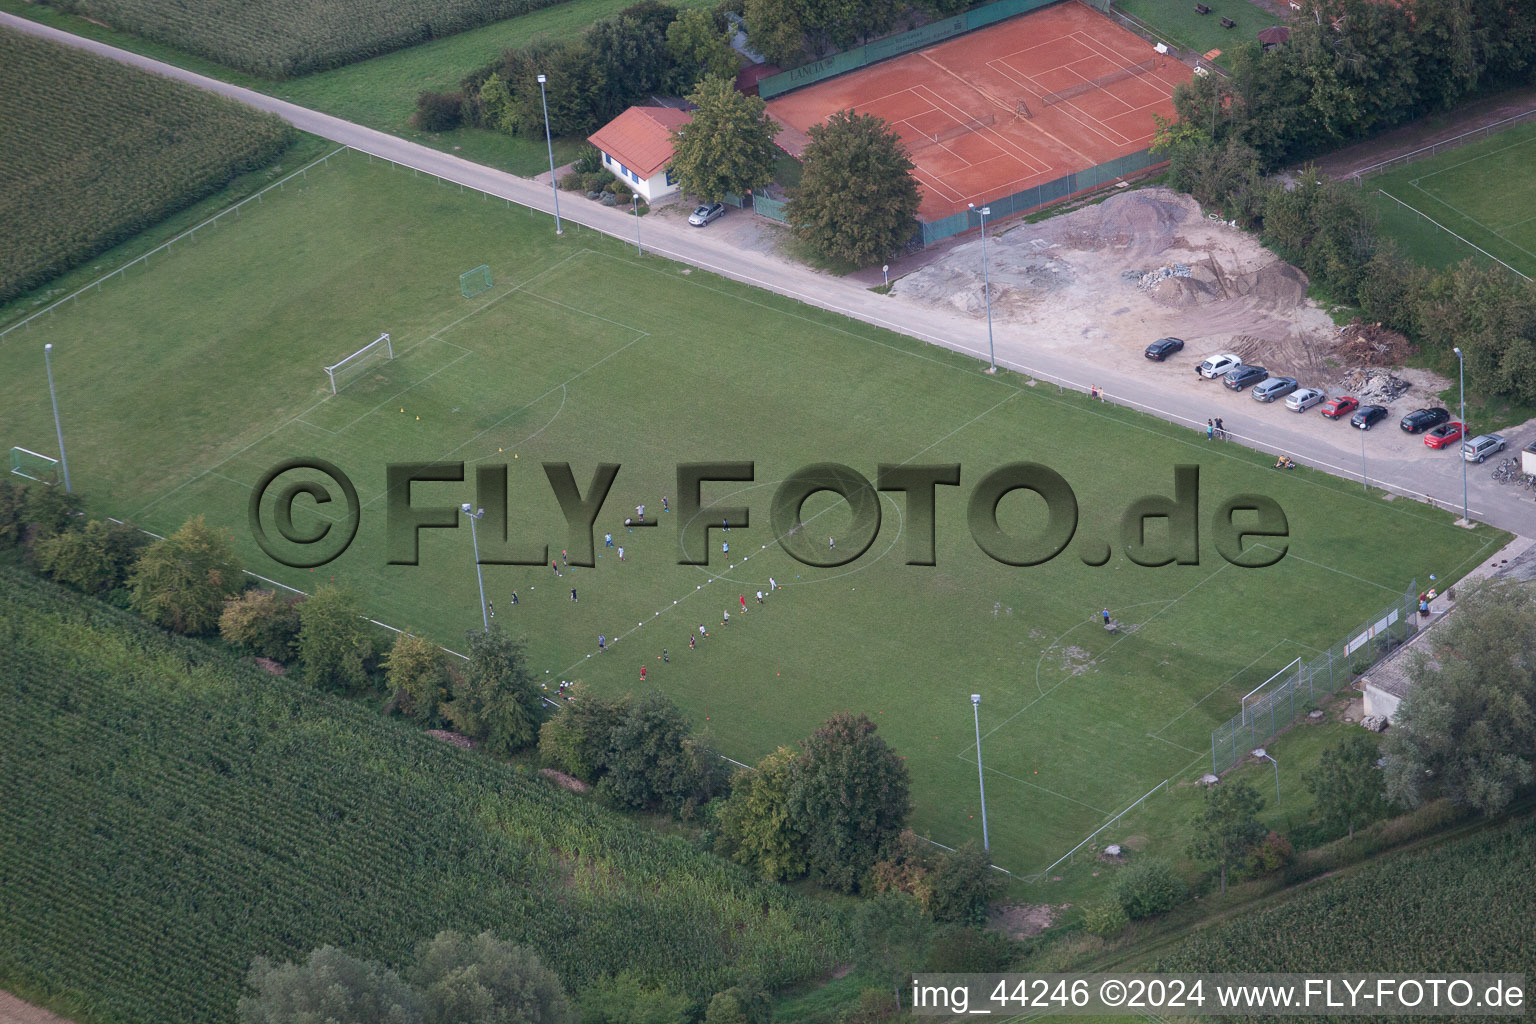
622, 192
959, 949
261, 622
1105, 919
93, 560
1273, 853
573, 181
597, 181
589, 161
1147, 888
438, 111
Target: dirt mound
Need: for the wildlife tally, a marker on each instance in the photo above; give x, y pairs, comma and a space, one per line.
1278, 286
1020, 273
1144, 220
1366, 344
1020, 921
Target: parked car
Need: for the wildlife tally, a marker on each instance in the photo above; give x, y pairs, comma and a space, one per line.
1443, 435
1243, 376
1368, 416
706, 213
1481, 446
1162, 348
1423, 419
1303, 399
1218, 366
1338, 408
1274, 388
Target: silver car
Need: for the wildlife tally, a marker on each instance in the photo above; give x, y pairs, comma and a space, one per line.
706, 213
1304, 399
1273, 388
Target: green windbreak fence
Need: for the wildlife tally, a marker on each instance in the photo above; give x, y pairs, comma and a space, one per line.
773, 209
1039, 195
905, 42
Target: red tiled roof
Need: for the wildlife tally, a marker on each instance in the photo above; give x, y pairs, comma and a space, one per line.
640, 138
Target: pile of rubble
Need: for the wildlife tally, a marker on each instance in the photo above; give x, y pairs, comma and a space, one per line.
1369, 344
1376, 387
1147, 278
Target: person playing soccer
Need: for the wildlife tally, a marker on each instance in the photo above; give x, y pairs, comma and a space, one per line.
608, 540
691, 646
743, 604
642, 673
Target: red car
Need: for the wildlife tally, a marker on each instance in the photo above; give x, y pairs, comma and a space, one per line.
1338, 408
1444, 434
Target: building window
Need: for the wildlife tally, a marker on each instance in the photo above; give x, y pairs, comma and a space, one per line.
607, 159
669, 175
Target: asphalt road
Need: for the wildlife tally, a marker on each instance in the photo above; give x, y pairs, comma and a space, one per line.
1430, 479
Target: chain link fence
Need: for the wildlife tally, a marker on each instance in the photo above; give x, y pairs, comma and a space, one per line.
1314, 681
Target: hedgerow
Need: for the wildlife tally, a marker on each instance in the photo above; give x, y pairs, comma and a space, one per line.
172, 813
96, 151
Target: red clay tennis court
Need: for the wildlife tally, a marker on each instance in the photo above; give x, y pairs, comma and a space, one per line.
1004, 108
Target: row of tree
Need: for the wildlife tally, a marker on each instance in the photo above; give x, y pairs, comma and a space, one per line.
1356, 67
790, 31
460, 979
649, 48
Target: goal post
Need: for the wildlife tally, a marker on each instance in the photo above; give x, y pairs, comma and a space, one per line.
349, 369
473, 282
34, 466
1259, 700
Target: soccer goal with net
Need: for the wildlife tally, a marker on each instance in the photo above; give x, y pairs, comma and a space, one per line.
473, 282
355, 365
34, 466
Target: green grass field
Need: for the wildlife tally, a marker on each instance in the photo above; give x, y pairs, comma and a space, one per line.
181, 384
1179, 23
1481, 191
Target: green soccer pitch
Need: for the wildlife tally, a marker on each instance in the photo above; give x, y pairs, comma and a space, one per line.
181, 384
1482, 192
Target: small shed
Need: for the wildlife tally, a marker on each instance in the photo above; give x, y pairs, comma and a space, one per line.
748, 77
1528, 459
1274, 36
637, 146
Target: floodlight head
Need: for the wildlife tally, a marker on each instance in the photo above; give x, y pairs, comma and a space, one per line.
976, 699
885, 269
1260, 752
465, 507
541, 79
48, 347
1457, 351
971, 205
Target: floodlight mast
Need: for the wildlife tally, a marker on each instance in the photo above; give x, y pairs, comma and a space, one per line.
474, 516
980, 779
57, 423
550, 145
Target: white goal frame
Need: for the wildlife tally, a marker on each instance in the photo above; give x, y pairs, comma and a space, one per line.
1262, 703
18, 470
357, 357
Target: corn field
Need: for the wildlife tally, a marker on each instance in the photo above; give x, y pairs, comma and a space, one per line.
283, 38
95, 152
171, 813
1466, 905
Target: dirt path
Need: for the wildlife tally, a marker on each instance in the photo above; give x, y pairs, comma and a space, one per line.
14, 1011
1426, 132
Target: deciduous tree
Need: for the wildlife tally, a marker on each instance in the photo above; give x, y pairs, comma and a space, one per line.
483, 980
579, 738
697, 50
414, 673
727, 144
1227, 829
891, 937
654, 761
93, 560
849, 798
335, 645
1467, 730
497, 700
329, 986
857, 201
1347, 784
756, 826
261, 622
181, 582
